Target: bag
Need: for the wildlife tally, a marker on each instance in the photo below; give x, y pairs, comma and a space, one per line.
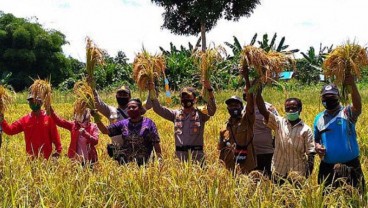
240, 155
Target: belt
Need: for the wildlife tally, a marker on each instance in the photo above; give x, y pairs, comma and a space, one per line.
189, 147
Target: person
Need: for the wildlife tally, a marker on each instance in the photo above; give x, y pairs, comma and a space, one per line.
263, 140
294, 141
115, 114
84, 137
236, 138
188, 122
39, 129
336, 137
139, 135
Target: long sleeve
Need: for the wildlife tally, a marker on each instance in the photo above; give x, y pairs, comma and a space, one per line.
93, 135
163, 111
101, 106
12, 129
55, 137
211, 106
62, 122
309, 142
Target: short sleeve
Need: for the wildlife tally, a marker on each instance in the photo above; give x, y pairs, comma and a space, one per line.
115, 129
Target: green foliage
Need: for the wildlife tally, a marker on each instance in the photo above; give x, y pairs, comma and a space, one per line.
309, 68
194, 16
29, 51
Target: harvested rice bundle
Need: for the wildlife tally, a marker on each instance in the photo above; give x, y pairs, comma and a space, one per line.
277, 63
84, 98
257, 59
42, 89
147, 68
5, 99
206, 62
94, 57
348, 59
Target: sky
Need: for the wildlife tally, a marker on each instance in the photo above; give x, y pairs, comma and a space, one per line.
128, 25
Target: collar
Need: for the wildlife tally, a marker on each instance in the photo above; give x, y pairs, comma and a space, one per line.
32, 114
297, 124
325, 113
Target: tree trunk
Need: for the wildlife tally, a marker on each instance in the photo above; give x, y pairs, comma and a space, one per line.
203, 36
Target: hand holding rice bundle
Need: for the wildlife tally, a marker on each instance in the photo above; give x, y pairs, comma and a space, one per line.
84, 99
344, 61
266, 65
206, 62
41, 89
147, 68
5, 99
94, 56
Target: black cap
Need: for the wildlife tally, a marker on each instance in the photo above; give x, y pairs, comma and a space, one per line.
189, 91
123, 88
234, 99
330, 89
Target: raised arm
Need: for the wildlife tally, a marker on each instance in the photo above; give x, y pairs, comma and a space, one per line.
157, 108
101, 106
249, 109
261, 105
99, 123
60, 121
355, 95
12, 129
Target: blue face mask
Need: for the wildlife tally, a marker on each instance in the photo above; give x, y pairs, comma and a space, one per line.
292, 116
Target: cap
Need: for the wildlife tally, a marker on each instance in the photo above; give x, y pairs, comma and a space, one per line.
234, 99
31, 96
123, 88
189, 91
330, 89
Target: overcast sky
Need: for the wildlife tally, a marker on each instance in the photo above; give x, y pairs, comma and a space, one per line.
128, 25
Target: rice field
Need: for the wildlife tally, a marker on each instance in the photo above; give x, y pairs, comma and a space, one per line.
62, 183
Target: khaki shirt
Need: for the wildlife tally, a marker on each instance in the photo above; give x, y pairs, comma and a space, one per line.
243, 132
292, 145
188, 129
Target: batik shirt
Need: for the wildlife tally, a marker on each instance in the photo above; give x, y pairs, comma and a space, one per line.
138, 138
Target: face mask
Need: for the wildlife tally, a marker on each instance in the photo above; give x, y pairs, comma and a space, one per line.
293, 116
134, 113
235, 112
34, 106
187, 103
122, 101
244, 96
330, 104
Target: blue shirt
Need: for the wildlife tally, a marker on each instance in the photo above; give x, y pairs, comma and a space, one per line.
338, 135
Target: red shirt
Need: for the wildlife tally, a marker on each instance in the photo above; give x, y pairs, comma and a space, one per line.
73, 127
40, 133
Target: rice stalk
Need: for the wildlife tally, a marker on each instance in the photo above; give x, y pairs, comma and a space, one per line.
5, 99
206, 62
348, 59
42, 89
147, 68
94, 56
84, 98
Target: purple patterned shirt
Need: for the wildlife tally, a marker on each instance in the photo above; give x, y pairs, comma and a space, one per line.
138, 138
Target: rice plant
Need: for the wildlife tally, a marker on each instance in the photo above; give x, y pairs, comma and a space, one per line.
42, 89
94, 56
84, 98
347, 59
5, 99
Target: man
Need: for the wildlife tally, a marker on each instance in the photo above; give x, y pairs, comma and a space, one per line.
336, 138
294, 143
236, 139
39, 130
115, 114
263, 141
188, 122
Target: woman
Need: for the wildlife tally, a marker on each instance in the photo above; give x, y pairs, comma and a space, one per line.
294, 142
139, 135
84, 137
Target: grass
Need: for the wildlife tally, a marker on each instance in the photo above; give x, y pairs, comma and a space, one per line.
62, 183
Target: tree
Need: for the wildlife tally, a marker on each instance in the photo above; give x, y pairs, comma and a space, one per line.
191, 17
29, 51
